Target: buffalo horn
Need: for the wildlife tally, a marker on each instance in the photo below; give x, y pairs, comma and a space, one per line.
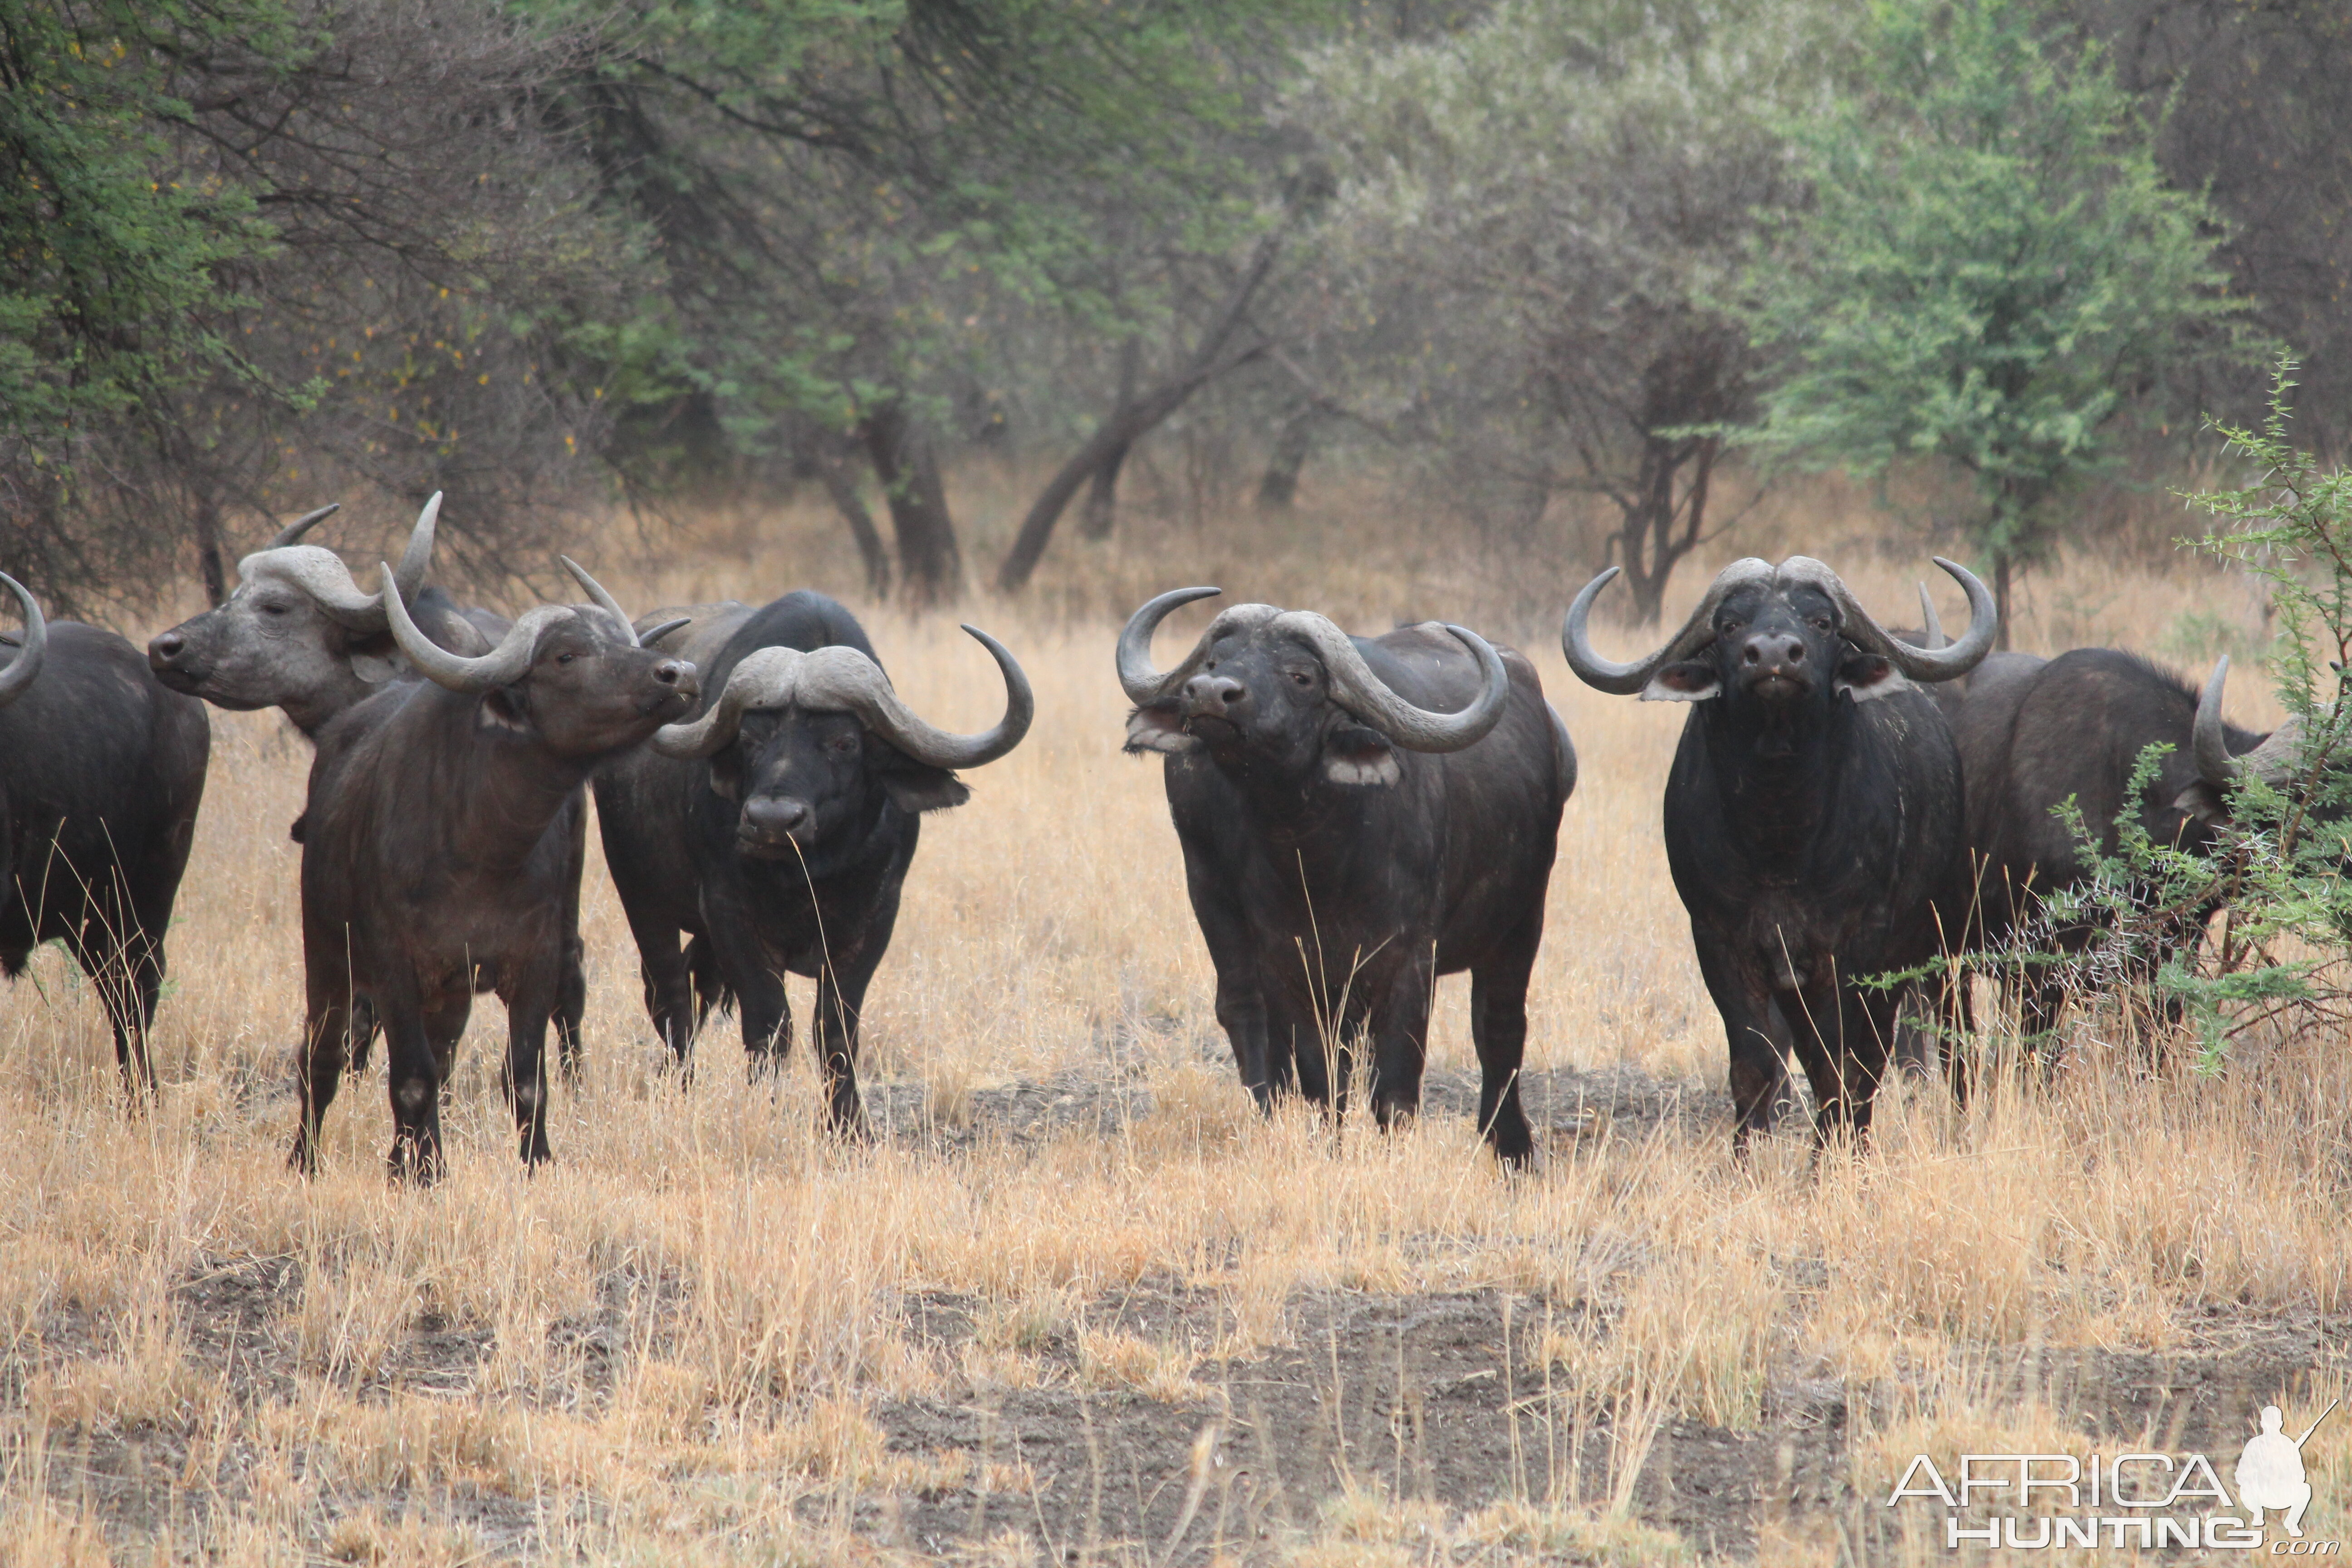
1628, 679
1922, 664
603, 600
1136, 676
502, 666
2274, 762
842, 679
321, 574
2207, 739
1932, 637
1355, 687
21, 669
293, 532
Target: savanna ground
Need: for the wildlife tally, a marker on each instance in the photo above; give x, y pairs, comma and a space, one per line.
1076, 1302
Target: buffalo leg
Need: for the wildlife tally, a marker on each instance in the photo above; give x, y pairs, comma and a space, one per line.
1263, 1063
1399, 1042
570, 1007
414, 1067
1498, 1028
765, 1010
126, 969
1760, 1073
840, 999
325, 1041
526, 1068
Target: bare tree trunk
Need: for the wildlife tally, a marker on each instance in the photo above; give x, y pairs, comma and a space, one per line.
209, 563
2001, 599
843, 489
930, 563
1211, 358
1659, 527
1101, 509
1278, 489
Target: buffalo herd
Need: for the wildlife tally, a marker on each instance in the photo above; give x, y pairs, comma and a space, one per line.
1357, 817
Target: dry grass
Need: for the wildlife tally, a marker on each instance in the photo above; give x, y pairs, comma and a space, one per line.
669, 1346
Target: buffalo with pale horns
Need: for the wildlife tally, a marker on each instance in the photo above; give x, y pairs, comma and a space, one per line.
1813, 817
775, 830
101, 771
1358, 815
428, 871
299, 635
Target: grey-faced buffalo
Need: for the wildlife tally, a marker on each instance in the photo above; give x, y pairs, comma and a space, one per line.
428, 871
299, 635
776, 828
101, 771
1358, 815
1813, 817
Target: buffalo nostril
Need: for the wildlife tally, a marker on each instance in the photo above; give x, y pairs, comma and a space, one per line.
169, 645
667, 672
1752, 654
1796, 653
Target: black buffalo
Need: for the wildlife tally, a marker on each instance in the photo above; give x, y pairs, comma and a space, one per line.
1358, 815
428, 871
1813, 819
2073, 729
776, 829
299, 635
101, 771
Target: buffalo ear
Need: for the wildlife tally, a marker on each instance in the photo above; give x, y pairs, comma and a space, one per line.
2202, 804
1692, 680
376, 660
1355, 755
507, 707
727, 773
914, 789
1157, 727
1865, 677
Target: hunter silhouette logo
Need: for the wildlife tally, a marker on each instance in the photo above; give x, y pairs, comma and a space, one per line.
2055, 1501
2269, 1473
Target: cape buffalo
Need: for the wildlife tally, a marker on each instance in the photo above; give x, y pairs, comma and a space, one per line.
2073, 729
299, 635
776, 828
428, 870
1813, 817
1358, 815
101, 771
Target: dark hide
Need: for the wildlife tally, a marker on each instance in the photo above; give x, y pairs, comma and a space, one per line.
432, 866
273, 646
1334, 876
1813, 828
782, 852
100, 774
2073, 727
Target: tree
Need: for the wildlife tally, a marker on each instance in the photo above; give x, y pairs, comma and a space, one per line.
1535, 215
853, 202
1990, 268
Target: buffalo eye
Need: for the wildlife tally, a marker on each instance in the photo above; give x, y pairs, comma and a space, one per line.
1302, 677
1821, 621
564, 658
273, 609
844, 745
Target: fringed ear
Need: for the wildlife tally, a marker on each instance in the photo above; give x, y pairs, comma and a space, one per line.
919, 789
1866, 677
1353, 755
2202, 804
1693, 680
1155, 727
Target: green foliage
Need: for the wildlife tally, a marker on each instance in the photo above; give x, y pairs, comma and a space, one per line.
109, 264
1991, 265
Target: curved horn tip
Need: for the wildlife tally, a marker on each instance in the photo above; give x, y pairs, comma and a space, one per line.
293, 532
19, 671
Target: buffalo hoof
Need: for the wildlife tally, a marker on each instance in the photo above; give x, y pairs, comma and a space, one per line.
414, 1163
